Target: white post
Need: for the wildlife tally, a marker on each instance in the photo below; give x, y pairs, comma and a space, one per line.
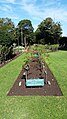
26, 75
46, 76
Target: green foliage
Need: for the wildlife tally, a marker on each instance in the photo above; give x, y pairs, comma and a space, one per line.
7, 31
5, 53
7, 38
42, 49
26, 31
26, 24
63, 43
53, 47
48, 32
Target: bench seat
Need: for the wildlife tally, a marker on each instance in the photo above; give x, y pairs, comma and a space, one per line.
35, 82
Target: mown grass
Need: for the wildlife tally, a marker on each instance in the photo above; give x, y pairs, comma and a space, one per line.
57, 62
28, 107
9, 73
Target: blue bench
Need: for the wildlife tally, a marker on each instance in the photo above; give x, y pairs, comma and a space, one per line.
35, 82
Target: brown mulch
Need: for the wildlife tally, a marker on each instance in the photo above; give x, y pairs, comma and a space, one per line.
35, 71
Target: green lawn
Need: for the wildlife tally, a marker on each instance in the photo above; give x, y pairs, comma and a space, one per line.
33, 107
57, 62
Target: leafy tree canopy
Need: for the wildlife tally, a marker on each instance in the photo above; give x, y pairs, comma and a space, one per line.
25, 27
48, 31
7, 31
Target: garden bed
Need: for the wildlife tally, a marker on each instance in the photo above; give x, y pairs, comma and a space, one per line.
50, 87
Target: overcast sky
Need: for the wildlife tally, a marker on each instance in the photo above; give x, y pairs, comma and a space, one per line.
35, 10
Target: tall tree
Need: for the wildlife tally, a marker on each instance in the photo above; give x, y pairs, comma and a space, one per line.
7, 38
48, 31
7, 31
25, 30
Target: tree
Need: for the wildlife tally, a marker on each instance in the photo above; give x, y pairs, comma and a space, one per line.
7, 31
7, 38
56, 32
48, 32
25, 30
63, 43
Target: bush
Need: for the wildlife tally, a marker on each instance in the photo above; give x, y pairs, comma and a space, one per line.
5, 53
52, 47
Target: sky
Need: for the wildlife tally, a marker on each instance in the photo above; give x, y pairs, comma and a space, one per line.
36, 11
